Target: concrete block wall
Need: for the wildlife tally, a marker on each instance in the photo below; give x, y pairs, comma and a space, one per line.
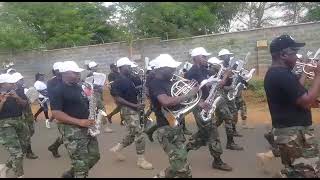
30, 62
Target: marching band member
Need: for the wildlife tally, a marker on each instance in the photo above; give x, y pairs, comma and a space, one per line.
70, 107
41, 87
113, 75
171, 138
98, 92
125, 93
290, 109
26, 115
13, 131
149, 78
207, 130
226, 109
51, 85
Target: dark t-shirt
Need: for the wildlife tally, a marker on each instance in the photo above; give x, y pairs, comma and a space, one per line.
53, 83
199, 74
124, 88
156, 88
113, 76
71, 100
283, 89
137, 81
11, 108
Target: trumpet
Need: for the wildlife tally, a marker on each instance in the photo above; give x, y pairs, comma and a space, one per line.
301, 65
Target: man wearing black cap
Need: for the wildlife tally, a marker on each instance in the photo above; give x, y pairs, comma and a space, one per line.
290, 103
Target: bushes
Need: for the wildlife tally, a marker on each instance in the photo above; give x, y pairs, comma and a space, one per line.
256, 86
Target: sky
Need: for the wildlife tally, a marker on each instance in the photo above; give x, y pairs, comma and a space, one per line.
107, 4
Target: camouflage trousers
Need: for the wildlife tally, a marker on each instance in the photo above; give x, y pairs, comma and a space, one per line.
226, 111
172, 141
299, 151
207, 134
13, 136
131, 120
100, 104
28, 118
242, 107
82, 148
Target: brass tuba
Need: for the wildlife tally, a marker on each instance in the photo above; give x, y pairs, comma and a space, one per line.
180, 87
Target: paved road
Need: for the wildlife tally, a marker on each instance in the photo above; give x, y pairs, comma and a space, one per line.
243, 162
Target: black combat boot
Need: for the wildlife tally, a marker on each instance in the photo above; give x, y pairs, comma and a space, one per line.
30, 154
217, 163
68, 174
54, 147
231, 145
150, 132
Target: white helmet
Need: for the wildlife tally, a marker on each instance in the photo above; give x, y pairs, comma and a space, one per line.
224, 52
214, 60
299, 56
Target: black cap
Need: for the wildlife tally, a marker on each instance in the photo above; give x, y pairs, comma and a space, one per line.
283, 42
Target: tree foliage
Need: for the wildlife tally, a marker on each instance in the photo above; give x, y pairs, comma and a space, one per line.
64, 24
15, 34
314, 13
176, 19
49, 25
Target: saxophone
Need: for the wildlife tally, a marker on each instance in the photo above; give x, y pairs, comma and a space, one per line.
239, 76
94, 113
211, 100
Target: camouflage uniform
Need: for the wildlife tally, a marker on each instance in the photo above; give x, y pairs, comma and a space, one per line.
241, 106
100, 104
270, 138
28, 118
14, 137
226, 111
207, 134
131, 119
172, 141
99, 97
83, 149
299, 151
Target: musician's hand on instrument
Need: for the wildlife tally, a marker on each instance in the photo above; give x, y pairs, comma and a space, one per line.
193, 91
140, 106
3, 97
204, 105
315, 104
14, 95
86, 122
310, 68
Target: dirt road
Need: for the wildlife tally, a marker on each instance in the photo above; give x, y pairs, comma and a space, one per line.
243, 162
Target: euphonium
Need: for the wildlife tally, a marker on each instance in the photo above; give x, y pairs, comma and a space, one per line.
180, 87
301, 65
239, 76
237, 82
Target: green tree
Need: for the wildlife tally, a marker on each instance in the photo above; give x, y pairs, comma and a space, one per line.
177, 19
65, 24
15, 34
314, 12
